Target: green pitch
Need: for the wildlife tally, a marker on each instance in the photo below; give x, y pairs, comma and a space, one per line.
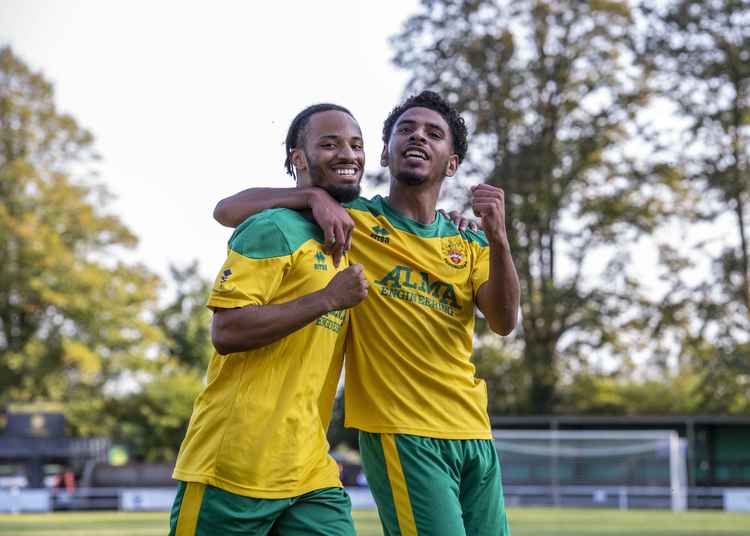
523, 522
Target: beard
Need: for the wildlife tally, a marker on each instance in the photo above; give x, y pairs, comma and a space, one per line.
410, 179
343, 193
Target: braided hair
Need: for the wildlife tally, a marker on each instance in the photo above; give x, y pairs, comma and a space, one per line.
295, 136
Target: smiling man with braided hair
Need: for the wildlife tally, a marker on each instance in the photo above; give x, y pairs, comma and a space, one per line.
255, 457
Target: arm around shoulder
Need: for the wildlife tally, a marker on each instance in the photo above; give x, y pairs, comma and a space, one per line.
332, 218
233, 210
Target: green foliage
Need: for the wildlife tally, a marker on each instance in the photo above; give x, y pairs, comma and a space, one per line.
699, 53
506, 377
151, 421
149, 412
598, 394
560, 97
71, 314
186, 321
77, 324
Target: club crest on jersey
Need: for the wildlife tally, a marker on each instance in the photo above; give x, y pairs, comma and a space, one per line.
454, 252
380, 234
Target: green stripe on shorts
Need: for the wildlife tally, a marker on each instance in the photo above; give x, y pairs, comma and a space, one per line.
202, 510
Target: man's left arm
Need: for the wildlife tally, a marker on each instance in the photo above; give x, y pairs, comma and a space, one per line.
498, 298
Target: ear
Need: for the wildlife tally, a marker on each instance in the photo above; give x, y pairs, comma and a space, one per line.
298, 160
384, 156
452, 166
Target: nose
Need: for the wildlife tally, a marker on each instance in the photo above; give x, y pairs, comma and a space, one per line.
346, 152
418, 134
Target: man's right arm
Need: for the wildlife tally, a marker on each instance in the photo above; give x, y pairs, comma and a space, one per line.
332, 218
254, 326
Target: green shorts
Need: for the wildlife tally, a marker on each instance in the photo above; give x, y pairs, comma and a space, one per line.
435, 487
202, 510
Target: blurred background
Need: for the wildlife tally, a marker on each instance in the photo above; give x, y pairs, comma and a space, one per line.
619, 130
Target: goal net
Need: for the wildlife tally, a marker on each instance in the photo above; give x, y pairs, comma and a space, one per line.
620, 469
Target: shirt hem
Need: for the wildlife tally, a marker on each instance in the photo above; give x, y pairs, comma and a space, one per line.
422, 432
226, 303
254, 493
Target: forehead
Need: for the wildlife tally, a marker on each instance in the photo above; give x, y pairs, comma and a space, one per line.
424, 116
332, 123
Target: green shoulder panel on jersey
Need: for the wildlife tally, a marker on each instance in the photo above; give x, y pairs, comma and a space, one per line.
477, 236
365, 205
378, 206
273, 233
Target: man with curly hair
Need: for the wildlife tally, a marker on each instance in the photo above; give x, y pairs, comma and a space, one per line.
410, 388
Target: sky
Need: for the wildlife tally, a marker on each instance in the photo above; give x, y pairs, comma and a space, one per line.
190, 101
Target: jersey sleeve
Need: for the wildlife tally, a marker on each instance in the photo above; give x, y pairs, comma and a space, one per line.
480, 270
258, 258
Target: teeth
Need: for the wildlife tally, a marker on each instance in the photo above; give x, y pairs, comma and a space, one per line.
351, 172
416, 153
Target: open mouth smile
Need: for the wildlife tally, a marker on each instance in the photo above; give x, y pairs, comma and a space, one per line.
415, 153
345, 172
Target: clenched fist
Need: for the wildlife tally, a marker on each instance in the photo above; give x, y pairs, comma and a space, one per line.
347, 288
488, 203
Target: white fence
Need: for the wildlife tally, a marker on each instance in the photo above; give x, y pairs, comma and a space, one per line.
160, 499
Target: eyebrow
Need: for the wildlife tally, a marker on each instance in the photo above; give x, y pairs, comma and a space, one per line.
412, 122
336, 137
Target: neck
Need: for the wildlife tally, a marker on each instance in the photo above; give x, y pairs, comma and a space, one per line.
415, 202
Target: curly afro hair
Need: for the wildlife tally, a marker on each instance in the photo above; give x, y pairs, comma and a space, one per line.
433, 101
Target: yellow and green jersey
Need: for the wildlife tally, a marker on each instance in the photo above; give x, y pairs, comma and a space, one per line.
259, 426
407, 359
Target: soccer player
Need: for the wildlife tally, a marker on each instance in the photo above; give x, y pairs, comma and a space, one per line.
255, 457
410, 388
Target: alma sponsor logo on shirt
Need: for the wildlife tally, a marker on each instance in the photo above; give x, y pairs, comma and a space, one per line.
407, 284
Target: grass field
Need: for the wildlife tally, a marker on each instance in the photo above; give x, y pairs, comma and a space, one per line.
523, 521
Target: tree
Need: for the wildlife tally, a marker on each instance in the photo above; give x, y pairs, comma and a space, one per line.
699, 52
186, 321
552, 93
151, 417
72, 316
77, 324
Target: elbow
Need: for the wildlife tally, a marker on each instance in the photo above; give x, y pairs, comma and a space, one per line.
503, 325
221, 344
502, 328
221, 336
225, 341
229, 334
220, 214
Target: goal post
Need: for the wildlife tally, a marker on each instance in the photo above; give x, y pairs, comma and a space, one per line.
610, 468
